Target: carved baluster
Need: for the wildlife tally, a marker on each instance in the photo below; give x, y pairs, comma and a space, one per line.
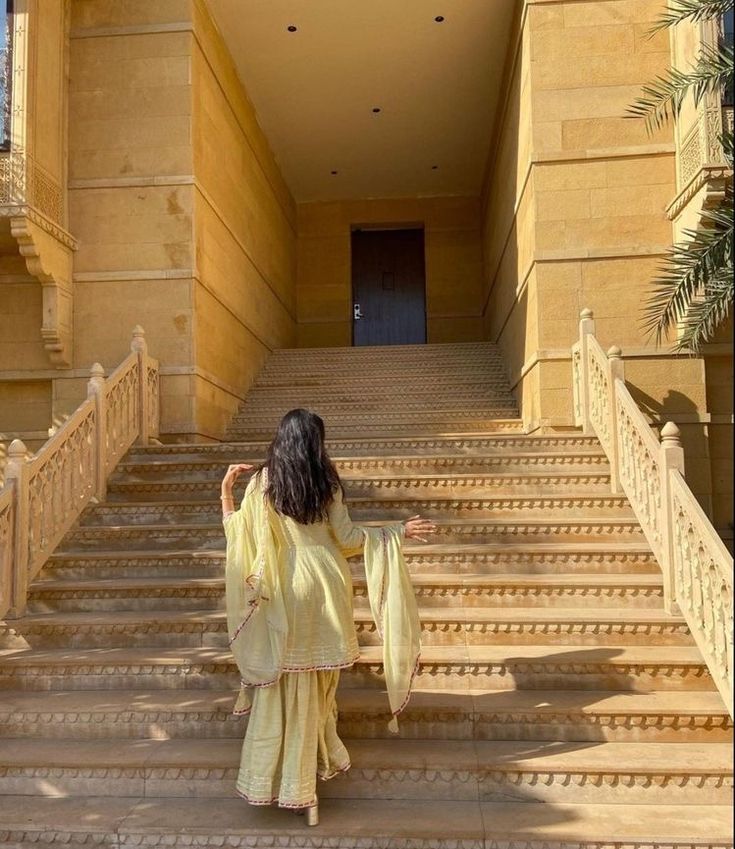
586, 329
671, 457
726, 630
140, 347
97, 390
616, 372
17, 472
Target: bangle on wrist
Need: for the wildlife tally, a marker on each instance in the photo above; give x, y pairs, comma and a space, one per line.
226, 498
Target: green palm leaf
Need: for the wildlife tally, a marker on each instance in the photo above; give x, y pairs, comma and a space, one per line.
707, 313
691, 269
691, 10
663, 98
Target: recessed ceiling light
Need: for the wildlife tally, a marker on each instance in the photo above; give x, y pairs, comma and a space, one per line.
292, 28
434, 167
439, 18
376, 109
334, 173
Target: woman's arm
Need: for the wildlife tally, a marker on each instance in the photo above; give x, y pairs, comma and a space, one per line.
350, 536
228, 482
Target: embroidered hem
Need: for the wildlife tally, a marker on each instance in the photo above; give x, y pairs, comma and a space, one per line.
294, 805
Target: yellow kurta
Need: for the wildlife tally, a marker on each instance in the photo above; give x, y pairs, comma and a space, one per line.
290, 621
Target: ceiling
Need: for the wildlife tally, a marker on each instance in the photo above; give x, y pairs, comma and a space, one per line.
437, 86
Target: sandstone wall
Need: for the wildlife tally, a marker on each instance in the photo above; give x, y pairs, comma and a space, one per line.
582, 192
184, 222
244, 297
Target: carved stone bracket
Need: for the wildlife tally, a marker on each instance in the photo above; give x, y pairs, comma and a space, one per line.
48, 256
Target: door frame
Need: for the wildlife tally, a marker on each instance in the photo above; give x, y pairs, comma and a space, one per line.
392, 225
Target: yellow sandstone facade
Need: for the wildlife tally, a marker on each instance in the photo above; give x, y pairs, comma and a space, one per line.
139, 187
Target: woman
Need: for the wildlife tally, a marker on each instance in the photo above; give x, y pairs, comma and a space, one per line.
289, 612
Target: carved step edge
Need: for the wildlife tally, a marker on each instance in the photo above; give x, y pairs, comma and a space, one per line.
214, 467
166, 822
462, 715
450, 627
530, 559
175, 536
450, 590
595, 506
669, 773
625, 668
458, 442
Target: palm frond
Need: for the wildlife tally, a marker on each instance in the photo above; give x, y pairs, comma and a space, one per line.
691, 266
691, 10
663, 98
726, 140
707, 313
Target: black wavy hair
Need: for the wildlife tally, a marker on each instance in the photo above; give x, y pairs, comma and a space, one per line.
301, 479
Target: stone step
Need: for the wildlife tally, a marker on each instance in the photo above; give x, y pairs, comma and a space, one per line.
158, 488
335, 417
439, 504
170, 467
457, 626
386, 373
385, 359
451, 377
339, 404
422, 351
356, 448
497, 667
582, 715
527, 558
459, 770
380, 430
457, 391
359, 824
386, 411
359, 360
482, 530
431, 590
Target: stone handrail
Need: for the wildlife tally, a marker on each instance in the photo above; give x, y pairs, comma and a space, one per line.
45, 494
697, 567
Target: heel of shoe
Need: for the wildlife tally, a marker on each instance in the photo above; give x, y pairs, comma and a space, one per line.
312, 815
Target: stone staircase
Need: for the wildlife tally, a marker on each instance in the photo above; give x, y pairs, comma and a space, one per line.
557, 704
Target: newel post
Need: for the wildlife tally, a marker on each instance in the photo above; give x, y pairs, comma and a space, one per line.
16, 472
97, 390
615, 372
139, 346
586, 329
671, 456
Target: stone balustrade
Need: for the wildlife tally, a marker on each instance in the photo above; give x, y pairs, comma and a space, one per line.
44, 494
697, 567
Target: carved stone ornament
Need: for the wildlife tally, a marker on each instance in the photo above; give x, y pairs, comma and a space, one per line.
49, 260
32, 202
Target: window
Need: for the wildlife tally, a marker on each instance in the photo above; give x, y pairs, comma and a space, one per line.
6, 71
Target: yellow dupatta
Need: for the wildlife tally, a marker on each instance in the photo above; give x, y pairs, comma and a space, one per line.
393, 605
257, 622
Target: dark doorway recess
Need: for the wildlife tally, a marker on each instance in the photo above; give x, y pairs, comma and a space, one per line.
388, 287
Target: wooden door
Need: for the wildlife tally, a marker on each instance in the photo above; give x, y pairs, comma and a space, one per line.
389, 287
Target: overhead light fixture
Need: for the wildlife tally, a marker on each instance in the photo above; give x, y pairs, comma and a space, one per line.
434, 167
334, 173
292, 28
439, 19
377, 109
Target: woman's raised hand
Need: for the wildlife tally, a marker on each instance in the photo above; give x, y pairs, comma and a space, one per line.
418, 528
231, 475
